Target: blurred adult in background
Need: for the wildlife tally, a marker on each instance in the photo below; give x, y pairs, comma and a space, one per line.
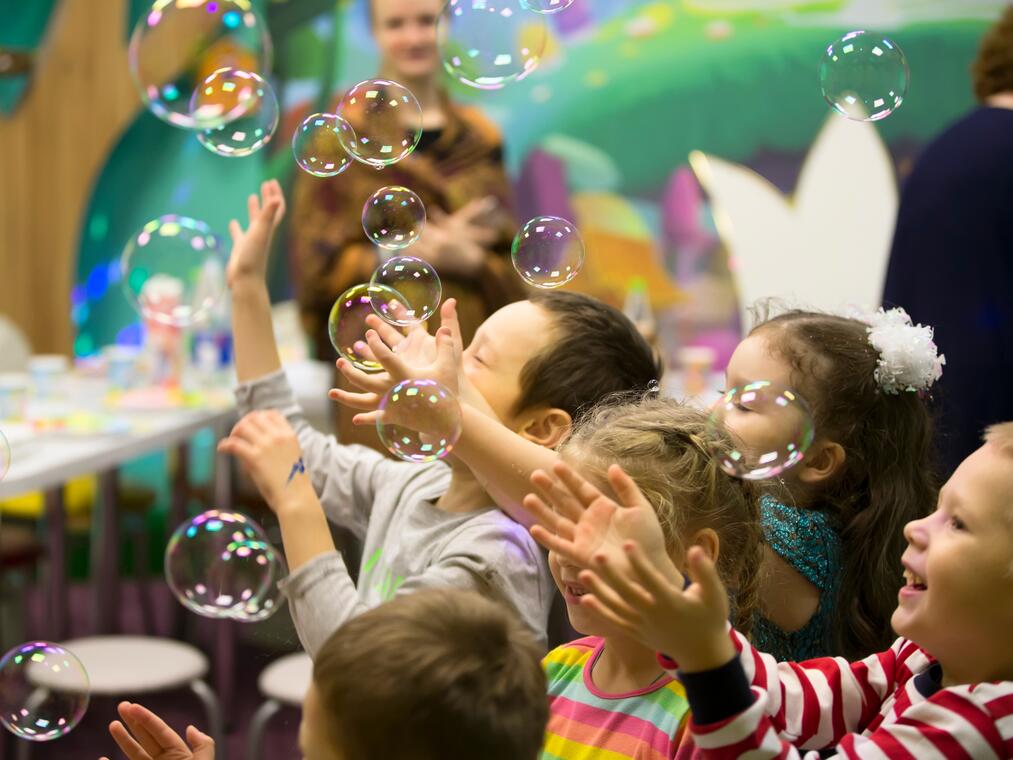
951, 264
457, 171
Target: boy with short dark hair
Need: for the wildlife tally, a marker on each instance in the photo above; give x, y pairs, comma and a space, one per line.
428, 525
434, 675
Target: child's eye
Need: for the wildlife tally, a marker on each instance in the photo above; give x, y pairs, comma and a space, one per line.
957, 524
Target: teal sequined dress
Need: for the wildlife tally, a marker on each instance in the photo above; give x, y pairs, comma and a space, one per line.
807, 540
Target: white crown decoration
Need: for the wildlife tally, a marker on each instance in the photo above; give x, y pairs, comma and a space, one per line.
908, 359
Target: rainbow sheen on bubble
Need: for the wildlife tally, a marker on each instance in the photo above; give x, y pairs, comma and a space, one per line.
771, 426
254, 127
420, 421
864, 76
384, 122
487, 44
393, 217
221, 564
546, 6
346, 324
417, 285
548, 252
5, 456
178, 44
173, 271
44, 691
316, 145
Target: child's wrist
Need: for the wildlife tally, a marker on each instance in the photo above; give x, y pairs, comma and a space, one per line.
296, 498
709, 656
248, 287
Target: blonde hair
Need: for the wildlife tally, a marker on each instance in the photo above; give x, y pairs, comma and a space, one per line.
1001, 436
669, 450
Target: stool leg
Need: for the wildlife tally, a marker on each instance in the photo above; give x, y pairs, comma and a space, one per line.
214, 712
255, 744
22, 750
57, 599
141, 557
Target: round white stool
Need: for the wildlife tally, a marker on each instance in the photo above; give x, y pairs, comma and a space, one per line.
284, 682
128, 666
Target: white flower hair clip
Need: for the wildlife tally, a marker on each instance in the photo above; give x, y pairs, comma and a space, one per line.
908, 359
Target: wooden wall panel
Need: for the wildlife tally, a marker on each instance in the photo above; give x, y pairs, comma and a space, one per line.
52, 149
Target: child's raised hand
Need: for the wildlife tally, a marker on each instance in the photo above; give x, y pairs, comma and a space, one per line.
641, 597
250, 247
150, 738
415, 356
266, 444
576, 520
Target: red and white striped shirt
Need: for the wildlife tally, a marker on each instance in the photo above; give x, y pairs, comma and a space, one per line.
889, 705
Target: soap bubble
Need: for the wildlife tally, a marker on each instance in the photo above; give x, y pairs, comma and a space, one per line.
221, 565
393, 217
420, 421
548, 252
771, 425
487, 44
173, 270
254, 127
547, 6
864, 76
316, 145
347, 322
384, 122
417, 285
43, 691
178, 44
5, 456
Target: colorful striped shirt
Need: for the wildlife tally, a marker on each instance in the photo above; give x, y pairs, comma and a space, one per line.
889, 705
586, 723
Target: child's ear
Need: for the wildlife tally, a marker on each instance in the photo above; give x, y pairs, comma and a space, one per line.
707, 539
823, 460
546, 427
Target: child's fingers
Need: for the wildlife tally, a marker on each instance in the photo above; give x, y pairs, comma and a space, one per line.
601, 587
140, 732
626, 489
619, 582
157, 728
576, 484
703, 572
646, 573
377, 382
387, 358
388, 333
238, 448
203, 746
553, 542
253, 206
595, 605
363, 401
448, 315
369, 418
235, 231
128, 746
545, 515
556, 496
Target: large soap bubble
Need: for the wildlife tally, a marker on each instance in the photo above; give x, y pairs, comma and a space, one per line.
44, 691
548, 252
864, 76
252, 129
383, 122
420, 421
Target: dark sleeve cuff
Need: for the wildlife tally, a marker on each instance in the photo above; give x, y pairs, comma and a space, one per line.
718, 694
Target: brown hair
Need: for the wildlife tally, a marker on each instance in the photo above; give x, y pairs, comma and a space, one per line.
886, 480
597, 353
992, 70
431, 675
669, 450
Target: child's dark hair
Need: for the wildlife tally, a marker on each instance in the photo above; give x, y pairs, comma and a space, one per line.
670, 451
432, 675
886, 479
597, 352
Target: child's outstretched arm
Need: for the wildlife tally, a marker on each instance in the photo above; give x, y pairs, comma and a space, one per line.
501, 460
253, 333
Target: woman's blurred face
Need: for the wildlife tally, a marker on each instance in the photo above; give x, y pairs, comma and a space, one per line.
405, 32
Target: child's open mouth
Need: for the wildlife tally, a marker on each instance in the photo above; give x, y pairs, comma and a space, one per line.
914, 581
574, 591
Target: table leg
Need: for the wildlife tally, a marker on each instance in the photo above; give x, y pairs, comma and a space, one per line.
105, 556
57, 601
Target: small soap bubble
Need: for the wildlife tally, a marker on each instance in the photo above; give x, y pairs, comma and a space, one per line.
654, 387
384, 122
173, 271
178, 44
347, 326
772, 428
547, 6
393, 217
44, 691
316, 145
417, 285
548, 252
221, 565
420, 421
487, 44
864, 76
254, 127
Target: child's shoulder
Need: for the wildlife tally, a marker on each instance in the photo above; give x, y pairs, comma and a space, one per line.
574, 651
